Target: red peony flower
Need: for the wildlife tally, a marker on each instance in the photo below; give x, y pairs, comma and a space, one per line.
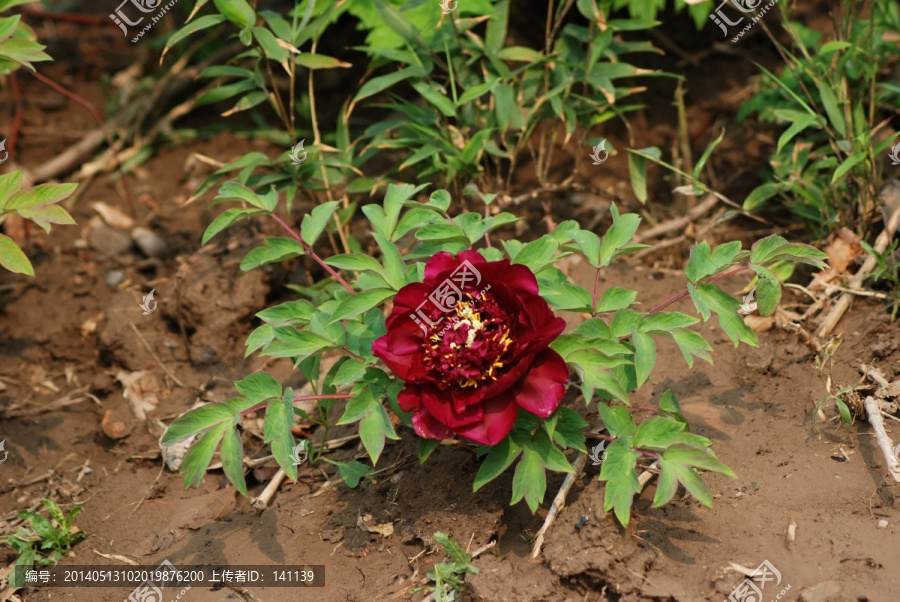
471, 342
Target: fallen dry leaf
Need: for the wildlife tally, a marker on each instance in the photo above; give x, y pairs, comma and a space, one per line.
112, 216
842, 251
140, 392
384, 530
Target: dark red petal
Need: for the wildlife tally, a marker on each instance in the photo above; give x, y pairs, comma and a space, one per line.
401, 350
410, 398
440, 405
521, 279
498, 419
545, 384
427, 427
437, 265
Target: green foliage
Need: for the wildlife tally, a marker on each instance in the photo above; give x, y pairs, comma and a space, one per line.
831, 99
613, 352
41, 540
39, 205
18, 42
448, 576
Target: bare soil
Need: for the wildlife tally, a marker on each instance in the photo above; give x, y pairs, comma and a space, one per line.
65, 337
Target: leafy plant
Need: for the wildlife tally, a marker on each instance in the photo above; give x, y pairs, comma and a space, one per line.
41, 540
834, 98
613, 352
39, 205
887, 270
448, 576
18, 42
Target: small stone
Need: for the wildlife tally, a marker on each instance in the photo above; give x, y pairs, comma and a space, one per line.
114, 278
109, 241
882, 524
148, 242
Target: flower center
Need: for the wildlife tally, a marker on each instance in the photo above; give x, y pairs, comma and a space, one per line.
472, 345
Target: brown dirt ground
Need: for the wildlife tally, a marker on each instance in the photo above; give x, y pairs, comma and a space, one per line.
65, 333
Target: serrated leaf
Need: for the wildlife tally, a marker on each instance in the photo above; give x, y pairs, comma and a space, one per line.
618, 422
657, 433
197, 460
621, 480
259, 387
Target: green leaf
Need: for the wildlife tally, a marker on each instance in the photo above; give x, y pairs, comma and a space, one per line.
615, 298
40, 195
637, 171
394, 268
589, 243
197, 460
435, 98
665, 321
529, 480
657, 433
760, 195
359, 406
12, 258
669, 403
569, 430
351, 472
259, 387
701, 458
644, 355
768, 290
373, 428
618, 235
618, 422
196, 421
426, 447
498, 459
291, 343
537, 254
846, 165
378, 84
233, 459
276, 249
798, 124
226, 219
314, 222
440, 199
277, 431
350, 371
703, 264
355, 262
692, 345
666, 484
551, 456
832, 108
621, 480
235, 191
360, 303
441, 233
725, 307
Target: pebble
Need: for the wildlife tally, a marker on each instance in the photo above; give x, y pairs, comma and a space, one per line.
882, 524
148, 242
109, 241
114, 278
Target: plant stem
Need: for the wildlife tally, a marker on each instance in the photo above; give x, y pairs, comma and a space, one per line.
594, 295
309, 250
684, 293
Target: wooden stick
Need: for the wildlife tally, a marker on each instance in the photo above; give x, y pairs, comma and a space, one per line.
261, 502
558, 502
677, 224
843, 303
884, 442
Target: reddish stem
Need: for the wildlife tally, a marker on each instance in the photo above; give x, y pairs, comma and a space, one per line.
309, 250
684, 293
93, 111
594, 294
